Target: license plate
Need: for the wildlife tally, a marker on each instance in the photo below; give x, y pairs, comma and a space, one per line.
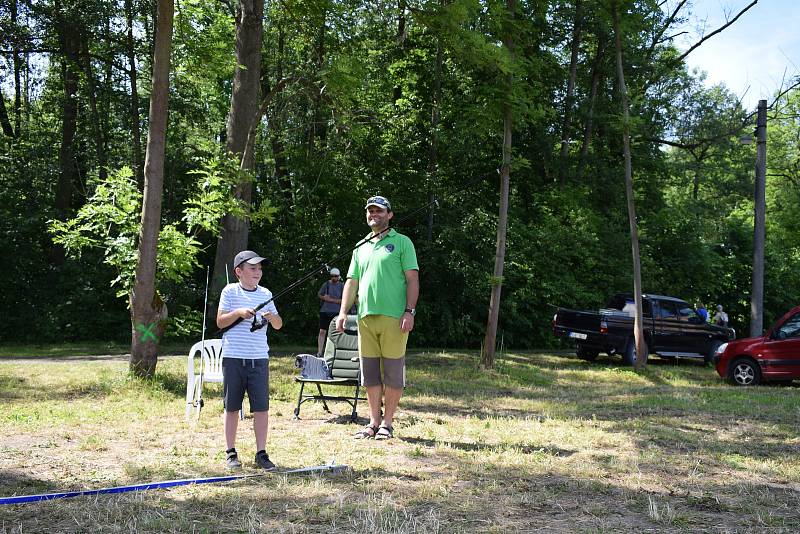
577, 335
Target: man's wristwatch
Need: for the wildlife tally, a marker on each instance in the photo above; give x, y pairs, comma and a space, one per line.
412, 311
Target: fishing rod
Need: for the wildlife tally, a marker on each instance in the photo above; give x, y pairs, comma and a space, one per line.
203, 349
323, 267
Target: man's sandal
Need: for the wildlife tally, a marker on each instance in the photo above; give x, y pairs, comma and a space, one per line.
384, 432
368, 431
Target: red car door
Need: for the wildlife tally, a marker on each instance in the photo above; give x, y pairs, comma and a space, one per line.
781, 351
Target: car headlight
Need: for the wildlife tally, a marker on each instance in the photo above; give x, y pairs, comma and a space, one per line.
721, 348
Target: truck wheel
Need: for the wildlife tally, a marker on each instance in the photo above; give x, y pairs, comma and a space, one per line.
711, 351
744, 372
629, 356
585, 353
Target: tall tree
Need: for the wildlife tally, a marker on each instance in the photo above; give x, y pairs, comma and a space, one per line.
8, 129
638, 329
66, 24
147, 308
487, 355
136, 134
566, 126
243, 112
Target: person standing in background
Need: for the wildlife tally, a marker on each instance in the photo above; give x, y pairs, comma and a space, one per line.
331, 296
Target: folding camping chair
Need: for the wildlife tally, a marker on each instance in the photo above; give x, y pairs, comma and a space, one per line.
341, 354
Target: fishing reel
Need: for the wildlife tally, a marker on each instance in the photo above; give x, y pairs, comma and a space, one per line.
258, 324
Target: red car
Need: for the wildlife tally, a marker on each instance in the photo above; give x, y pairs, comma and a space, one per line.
773, 356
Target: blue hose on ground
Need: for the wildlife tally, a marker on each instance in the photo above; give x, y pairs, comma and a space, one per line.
22, 499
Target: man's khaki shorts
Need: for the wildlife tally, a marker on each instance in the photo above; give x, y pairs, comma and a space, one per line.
379, 336
382, 347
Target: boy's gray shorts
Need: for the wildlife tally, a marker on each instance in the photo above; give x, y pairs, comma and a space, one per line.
240, 375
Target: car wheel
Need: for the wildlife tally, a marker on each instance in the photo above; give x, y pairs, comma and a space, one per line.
711, 351
744, 372
585, 353
629, 356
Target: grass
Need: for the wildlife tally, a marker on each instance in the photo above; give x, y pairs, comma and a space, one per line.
543, 442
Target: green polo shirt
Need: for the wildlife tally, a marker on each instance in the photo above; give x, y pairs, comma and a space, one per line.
380, 270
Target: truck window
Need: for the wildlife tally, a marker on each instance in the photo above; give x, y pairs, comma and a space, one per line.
627, 305
687, 314
617, 302
665, 309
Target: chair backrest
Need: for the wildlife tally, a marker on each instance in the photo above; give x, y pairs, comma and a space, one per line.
342, 347
211, 352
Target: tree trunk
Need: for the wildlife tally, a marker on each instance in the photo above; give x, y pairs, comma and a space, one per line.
433, 150
759, 224
488, 352
68, 171
17, 59
97, 121
244, 106
638, 330
136, 133
400, 38
278, 154
8, 129
147, 308
317, 129
587, 130
566, 127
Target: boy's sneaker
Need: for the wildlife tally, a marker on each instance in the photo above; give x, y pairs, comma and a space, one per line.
263, 461
232, 460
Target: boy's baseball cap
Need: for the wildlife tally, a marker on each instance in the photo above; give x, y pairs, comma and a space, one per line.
247, 256
335, 272
381, 202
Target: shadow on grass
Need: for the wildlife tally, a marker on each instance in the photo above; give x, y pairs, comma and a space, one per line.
170, 382
15, 483
471, 447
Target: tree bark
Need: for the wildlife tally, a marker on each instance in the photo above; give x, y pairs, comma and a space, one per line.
638, 330
97, 121
8, 129
566, 127
68, 171
759, 223
317, 129
136, 133
244, 106
588, 127
433, 149
488, 352
147, 309
17, 59
400, 38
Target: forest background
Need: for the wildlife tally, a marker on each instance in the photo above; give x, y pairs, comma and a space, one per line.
405, 99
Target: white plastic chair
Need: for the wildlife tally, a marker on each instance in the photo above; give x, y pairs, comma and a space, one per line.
211, 352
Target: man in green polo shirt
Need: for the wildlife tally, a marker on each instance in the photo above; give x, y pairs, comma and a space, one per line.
385, 275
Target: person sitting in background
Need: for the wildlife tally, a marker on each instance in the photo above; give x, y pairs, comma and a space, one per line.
702, 311
720, 318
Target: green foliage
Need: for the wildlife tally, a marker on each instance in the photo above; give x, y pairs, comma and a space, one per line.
109, 221
355, 116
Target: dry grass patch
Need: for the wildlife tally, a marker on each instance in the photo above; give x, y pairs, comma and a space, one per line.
543, 443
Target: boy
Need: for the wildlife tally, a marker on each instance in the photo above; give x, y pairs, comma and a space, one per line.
245, 354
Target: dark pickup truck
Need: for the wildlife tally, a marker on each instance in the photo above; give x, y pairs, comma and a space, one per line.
672, 329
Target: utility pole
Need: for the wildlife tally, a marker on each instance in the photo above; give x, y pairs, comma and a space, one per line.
757, 295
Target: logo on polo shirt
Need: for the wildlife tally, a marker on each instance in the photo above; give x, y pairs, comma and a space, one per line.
389, 247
